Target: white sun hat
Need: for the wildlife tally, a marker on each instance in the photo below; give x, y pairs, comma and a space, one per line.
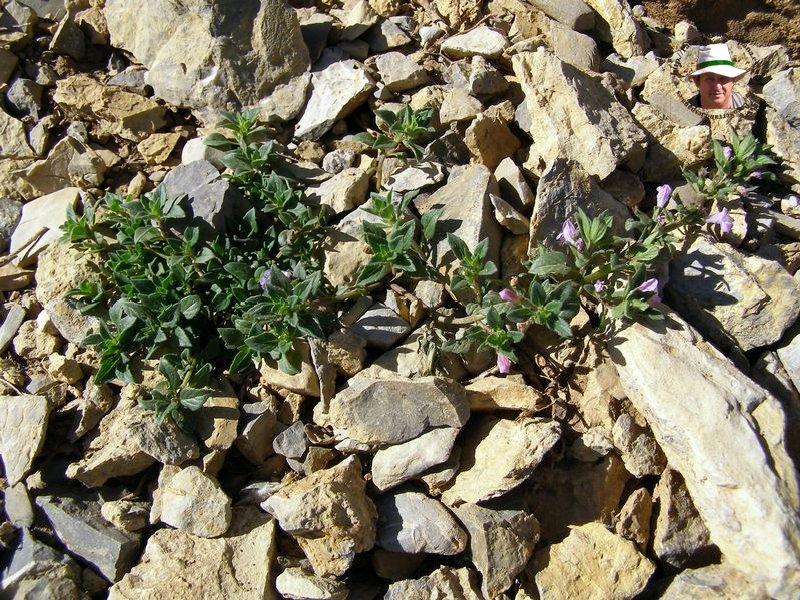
715, 58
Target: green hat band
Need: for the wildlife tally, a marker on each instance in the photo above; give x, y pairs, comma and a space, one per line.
714, 63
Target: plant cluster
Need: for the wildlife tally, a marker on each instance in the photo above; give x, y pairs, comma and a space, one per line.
197, 305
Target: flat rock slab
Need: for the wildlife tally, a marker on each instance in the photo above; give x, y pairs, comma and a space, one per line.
591, 562
179, 566
194, 502
412, 522
23, 424
401, 462
393, 411
46, 213
77, 523
444, 582
725, 435
498, 455
329, 514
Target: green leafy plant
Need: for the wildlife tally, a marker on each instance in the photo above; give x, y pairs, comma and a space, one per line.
403, 130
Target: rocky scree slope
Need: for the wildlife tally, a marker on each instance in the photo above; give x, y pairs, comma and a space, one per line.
655, 462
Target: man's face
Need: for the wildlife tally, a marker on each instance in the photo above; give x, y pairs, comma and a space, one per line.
715, 90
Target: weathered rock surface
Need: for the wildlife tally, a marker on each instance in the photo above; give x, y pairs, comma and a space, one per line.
578, 118
590, 562
23, 424
401, 462
748, 499
725, 292
294, 582
194, 502
412, 522
214, 54
38, 571
178, 565
501, 543
329, 514
444, 582
395, 411
616, 24
498, 455
39, 223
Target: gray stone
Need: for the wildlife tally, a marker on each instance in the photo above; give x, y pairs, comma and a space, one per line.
782, 94
59, 269
131, 78
211, 198
563, 188
178, 566
360, 411
575, 14
337, 90
343, 192
78, 524
634, 70
17, 506
714, 582
398, 72
415, 177
638, 449
295, 582
13, 139
789, 354
514, 187
480, 41
501, 543
444, 582
194, 502
356, 20
381, 327
16, 24
292, 441
68, 39
411, 522
401, 462
616, 24
746, 493
257, 425
25, 97
498, 455
329, 514
728, 294
384, 36
577, 116
23, 422
11, 324
38, 571
211, 55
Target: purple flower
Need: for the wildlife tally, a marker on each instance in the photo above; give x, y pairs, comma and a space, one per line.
755, 175
569, 235
649, 285
727, 151
509, 296
723, 219
654, 299
599, 285
503, 363
661, 219
264, 279
663, 193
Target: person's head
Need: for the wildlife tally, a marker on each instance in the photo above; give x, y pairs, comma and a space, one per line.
715, 75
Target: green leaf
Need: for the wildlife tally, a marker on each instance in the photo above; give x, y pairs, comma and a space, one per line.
184, 341
239, 270
401, 237
459, 247
217, 140
429, 221
192, 398
170, 373
371, 273
242, 360
549, 263
191, 306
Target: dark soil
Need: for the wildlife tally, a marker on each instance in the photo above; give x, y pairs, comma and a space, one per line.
761, 22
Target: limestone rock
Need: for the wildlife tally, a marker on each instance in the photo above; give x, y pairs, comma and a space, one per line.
789, 355
415, 177
361, 410
194, 502
156, 148
13, 139
617, 25
211, 55
459, 105
16, 24
398, 72
590, 562
465, 202
211, 199
8, 62
381, 327
725, 292
343, 192
444, 582
114, 109
286, 100
577, 116
385, 35
127, 515
498, 455
357, 19
34, 344
501, 543
179, 566
503, 393
329, 514
49, 213
747, 498
401, 462
59, 269
514, 188
292, 441
68, 39
23, 423
782, 94
575, 14
294, 582
345, 251
481, 41
218, 418
680, 538
633, 520
633, 71
305, 382
490, 140
38, 571
638, 449
411, 522
563, 188
336, 91
78, 524
714, 582
11, 324
129, 440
